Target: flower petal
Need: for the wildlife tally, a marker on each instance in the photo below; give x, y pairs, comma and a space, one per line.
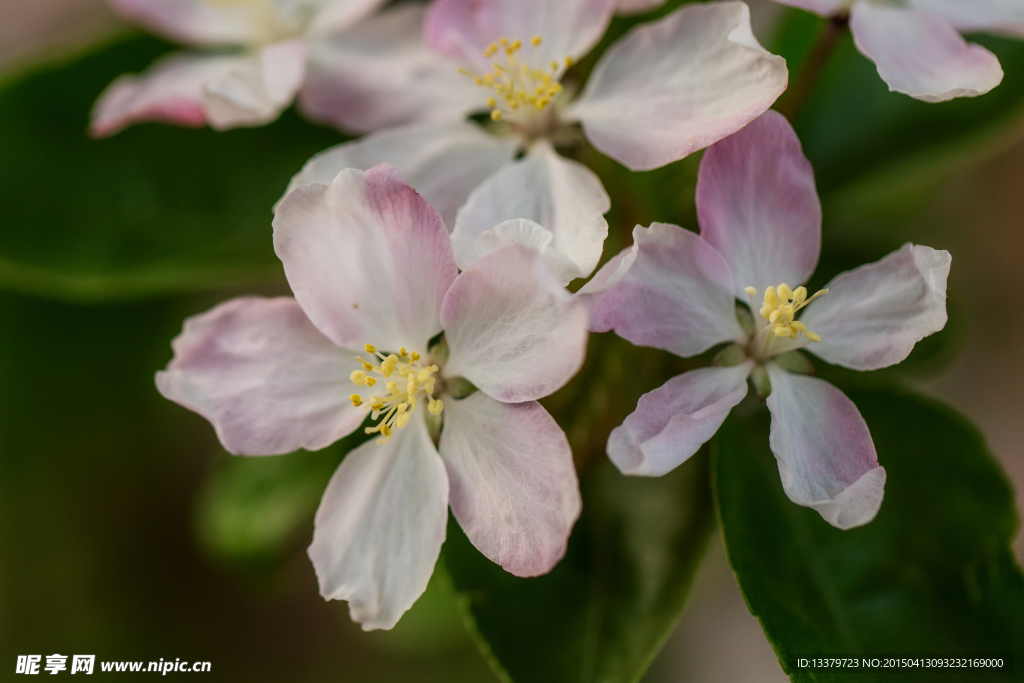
825, 8
994, 16
258, 90
676, 295
672, 422
562, 196
197, 22
380, 526
171, 90
513, 484
528, 234
335, 16
757, 205
368, 258
264, 376
920, 54
512, 329
380, 74
826, 457
462, 29
873, 315
674, 86
442, 161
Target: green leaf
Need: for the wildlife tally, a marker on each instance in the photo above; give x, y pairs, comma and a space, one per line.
932, 573
869, 145
606, 609
154, 209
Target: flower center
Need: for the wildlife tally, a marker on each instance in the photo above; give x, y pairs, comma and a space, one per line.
779, 309
518, 85
415, 383
271, 21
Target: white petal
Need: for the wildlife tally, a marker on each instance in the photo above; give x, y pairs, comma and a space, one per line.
672, 87
171, 90
442, 161
757, 205
334, 16
367, 257
266, 379
380, 74
920, 54
826, 457
463, 29
873, 315
562, 196
676, 295
672, 422
512, 329
199, 22
994, 16
380, 526
513, 484
258, 90
529, 234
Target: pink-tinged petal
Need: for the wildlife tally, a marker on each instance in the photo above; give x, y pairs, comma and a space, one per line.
562, 196
258, 90
611, 272
826, 457
170, 91
873, 315
676, 295
444, 162
993, 16
380, 74
528, 234
625, 7
462, 29
380, 527
367, 257
825, 8
672, 422
511, 327
672, 87
513, 484
920, 54
335, 16
758, 206
200, 22
267, 380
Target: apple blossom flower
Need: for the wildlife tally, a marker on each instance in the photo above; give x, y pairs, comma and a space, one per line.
369, 259
917, 46
760, 230
665, 90
253, 64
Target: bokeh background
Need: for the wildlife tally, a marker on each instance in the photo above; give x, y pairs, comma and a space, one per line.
115, 539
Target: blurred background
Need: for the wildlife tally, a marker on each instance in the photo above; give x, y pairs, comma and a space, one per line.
115, 538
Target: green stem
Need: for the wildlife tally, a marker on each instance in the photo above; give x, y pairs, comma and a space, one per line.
801, 89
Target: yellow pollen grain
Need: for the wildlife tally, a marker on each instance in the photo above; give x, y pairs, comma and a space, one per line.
536, 40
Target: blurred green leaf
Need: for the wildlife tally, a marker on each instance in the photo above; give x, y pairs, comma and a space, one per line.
154, 209
606, 609
868, 144
251, 508
932, 573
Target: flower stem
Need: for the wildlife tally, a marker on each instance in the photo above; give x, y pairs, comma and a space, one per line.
800, 90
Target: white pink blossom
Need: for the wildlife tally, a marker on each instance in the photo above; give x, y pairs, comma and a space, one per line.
376, 284
676, 290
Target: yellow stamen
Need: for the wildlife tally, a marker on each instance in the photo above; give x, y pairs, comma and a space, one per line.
395, 409
781, 304
514, 79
